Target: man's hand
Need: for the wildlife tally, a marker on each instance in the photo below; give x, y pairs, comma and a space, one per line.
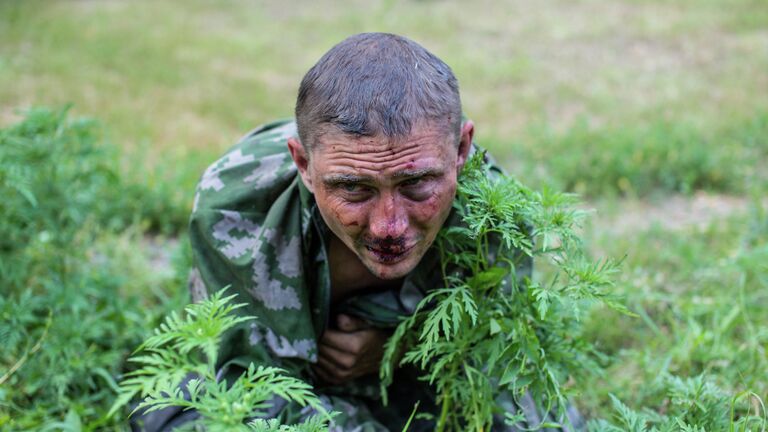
354, 350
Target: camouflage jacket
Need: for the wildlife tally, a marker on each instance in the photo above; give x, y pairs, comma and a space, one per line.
256, 228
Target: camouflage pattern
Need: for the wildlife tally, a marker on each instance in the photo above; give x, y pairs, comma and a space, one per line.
256, 229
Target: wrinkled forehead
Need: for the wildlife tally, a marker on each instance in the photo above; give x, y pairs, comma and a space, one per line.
328, 137
384, 158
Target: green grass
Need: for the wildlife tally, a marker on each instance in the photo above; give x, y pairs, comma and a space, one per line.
641, 98
77, 296
701, 296
639, 160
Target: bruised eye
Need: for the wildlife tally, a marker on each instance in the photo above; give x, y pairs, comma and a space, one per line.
354, 192
417, 189
411, 182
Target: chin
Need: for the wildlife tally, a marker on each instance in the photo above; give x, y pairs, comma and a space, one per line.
391, 271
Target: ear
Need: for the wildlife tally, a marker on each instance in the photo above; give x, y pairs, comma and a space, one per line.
301, 159
465, 143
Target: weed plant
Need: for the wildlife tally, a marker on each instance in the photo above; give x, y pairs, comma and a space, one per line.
77, 296
66, 322
701, 294
187, 347
493, 331
691, 405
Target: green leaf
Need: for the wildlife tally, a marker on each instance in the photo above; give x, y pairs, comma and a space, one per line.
495, 327
189, 344
488, 279
510, 374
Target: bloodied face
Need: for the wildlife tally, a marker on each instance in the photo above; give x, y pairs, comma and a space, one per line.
385, 198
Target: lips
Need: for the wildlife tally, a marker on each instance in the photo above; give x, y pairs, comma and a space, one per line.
389, 255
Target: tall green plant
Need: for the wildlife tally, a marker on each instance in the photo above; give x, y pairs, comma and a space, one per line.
61, 195
184, 347
691, 405
491, 329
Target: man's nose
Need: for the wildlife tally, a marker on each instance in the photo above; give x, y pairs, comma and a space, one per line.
388, 219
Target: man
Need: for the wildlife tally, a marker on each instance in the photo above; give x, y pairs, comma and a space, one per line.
324, 226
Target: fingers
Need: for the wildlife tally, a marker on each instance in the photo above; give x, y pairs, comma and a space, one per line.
350, 352
328, 373
348, 323
340, 359
343, 341
337, 368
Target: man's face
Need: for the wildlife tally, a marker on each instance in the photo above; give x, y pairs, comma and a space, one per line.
385, 199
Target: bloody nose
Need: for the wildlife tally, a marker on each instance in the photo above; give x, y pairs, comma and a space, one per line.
387, 219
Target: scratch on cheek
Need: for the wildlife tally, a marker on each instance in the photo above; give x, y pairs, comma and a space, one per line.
438, 202
337, 213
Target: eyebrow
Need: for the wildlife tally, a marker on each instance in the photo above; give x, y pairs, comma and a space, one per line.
337, 179
426, 172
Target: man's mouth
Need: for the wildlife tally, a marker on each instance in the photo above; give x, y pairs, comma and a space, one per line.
388, 255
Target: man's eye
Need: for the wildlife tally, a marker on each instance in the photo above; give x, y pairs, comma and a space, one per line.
411, 182
417, 189
351, 187
353, 192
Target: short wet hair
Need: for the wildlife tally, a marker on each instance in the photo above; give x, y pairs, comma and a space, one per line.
374, 84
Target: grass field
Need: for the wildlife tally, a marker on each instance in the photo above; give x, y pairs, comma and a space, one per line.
182, 81
632, 104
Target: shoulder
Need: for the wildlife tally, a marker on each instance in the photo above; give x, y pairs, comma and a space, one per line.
251, 174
